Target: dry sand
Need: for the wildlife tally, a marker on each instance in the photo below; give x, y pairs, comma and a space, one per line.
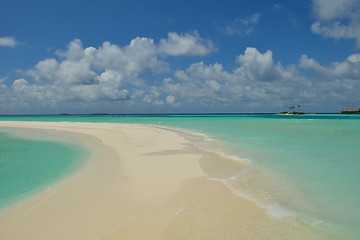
142, 182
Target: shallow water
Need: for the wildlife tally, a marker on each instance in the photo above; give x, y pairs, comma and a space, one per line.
307, 166
29, 164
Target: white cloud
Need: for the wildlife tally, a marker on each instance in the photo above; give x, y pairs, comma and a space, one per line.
98, 92
337, 19
140, 56
329, 10
66, 72
85, 74
137, 93
8, 42
188, 44
258, 66
310, 63
147, 99
74, 51
335, 84
211, 85
45, 69
242, 26
151, 99
19, 84
259, 82
348, 69
170, 99
76, 73
250, 19
91, 74
106, 73
355, 58
103, 77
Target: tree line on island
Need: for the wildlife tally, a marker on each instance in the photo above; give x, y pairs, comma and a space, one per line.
343, 111
292, 112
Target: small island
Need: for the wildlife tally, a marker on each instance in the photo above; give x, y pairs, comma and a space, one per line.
351, 111
292, 112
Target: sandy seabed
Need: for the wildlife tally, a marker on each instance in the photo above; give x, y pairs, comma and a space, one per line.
142, 182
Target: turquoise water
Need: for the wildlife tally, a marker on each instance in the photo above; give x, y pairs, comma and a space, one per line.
317, 156
29, 165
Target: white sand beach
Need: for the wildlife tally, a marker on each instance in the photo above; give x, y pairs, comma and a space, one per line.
142, 182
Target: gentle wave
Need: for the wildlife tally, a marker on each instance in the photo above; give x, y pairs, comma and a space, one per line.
272, 208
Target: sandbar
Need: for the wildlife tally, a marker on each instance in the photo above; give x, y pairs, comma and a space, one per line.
142, 182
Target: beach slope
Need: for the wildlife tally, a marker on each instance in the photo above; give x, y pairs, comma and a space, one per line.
134, 176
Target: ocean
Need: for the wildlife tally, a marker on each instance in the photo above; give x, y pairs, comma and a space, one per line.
304, 166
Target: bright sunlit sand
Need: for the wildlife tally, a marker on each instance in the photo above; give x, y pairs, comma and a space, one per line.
142, 182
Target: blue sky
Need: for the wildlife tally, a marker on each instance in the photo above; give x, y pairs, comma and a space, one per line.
178, 56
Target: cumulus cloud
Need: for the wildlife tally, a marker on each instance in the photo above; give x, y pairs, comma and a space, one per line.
140, 56
336, 83
337, 19
203, 71
114, 77
44, 69
74, 51
8, 42
153, 97
348, 69
242, 26
101, 73
310, 63
85, 75
258, 81
104, 74
258, 66
188, 44
329, 10
170, 99
76, 73
354, 58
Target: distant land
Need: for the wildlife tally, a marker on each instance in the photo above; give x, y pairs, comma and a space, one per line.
351, 111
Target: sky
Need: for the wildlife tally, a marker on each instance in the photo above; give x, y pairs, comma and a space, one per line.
214, 56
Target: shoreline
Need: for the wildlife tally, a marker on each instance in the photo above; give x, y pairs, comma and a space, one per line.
82, 152
145, 183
